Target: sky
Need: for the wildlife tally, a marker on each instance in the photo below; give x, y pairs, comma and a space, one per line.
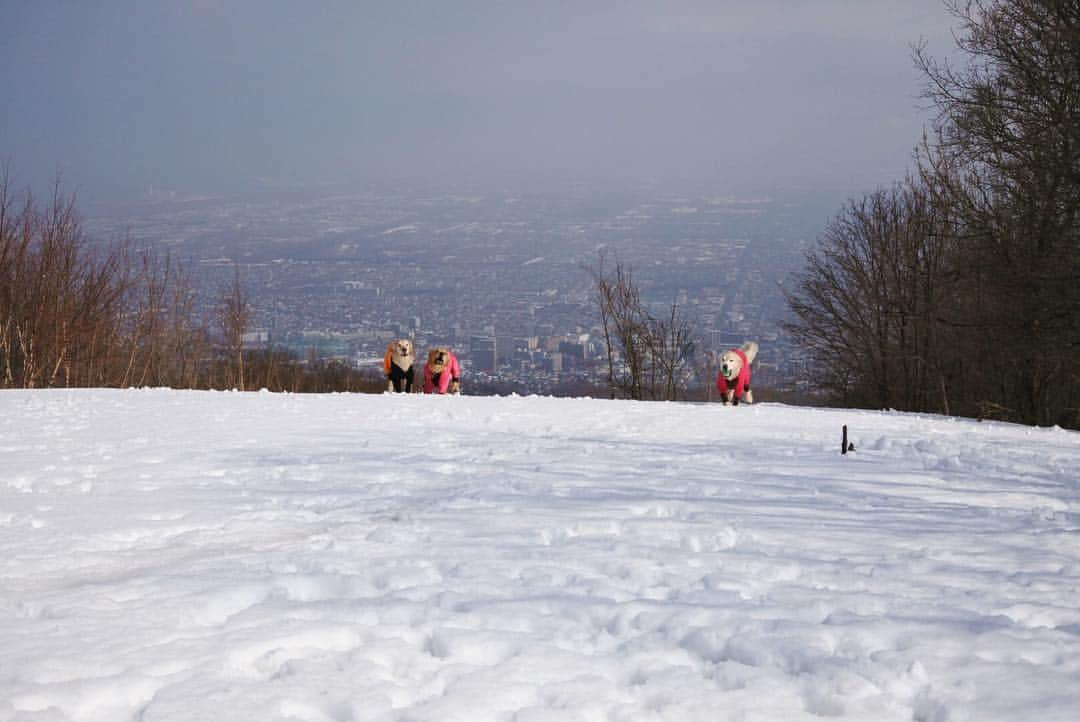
119, 96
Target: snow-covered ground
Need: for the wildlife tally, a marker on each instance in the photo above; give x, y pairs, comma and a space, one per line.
219, 556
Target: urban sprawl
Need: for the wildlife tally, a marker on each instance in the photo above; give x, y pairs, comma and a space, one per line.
501, 277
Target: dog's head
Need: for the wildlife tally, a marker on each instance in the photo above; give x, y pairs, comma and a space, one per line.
438, 358
730, 365
402, 349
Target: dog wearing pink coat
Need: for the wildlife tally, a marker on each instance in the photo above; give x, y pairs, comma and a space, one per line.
442, 372
733, 380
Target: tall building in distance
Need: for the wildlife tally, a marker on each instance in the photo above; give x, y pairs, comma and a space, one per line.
482, 351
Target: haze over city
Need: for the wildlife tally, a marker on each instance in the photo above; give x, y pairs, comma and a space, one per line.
195, 96
449, 170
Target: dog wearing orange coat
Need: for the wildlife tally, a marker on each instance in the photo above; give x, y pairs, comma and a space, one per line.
398, 365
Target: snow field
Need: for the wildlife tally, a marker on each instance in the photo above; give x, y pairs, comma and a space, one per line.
171, 555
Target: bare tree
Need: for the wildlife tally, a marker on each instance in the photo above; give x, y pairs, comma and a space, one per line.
960, 292
671, 349
602, 297
59, 298
188, 340
867, 306
648, 358
625, 322
1003, 158
164, 343
234, 315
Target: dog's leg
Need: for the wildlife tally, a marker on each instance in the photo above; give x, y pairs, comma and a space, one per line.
748, 397
728, 397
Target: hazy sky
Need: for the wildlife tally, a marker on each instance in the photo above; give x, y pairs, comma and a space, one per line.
226, 94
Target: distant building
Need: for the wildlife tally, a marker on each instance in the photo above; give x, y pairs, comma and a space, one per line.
482, 351
572, 350
506, 346
725, 339
550, 343
259, 338
361, 291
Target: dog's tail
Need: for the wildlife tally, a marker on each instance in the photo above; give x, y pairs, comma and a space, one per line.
388, 358
750, 349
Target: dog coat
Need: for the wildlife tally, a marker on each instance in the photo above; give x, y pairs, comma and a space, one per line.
439, 383
742, 381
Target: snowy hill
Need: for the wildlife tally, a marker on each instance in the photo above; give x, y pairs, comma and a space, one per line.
215, 556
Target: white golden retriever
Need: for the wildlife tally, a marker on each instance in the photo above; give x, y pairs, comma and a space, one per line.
733, 381
398, 365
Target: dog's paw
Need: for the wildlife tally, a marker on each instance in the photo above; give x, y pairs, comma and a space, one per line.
749, 396
455, 387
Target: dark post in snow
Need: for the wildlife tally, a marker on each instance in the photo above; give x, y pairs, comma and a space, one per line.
843, 442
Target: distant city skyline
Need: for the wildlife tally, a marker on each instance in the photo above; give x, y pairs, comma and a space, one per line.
338, 275
121, 96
